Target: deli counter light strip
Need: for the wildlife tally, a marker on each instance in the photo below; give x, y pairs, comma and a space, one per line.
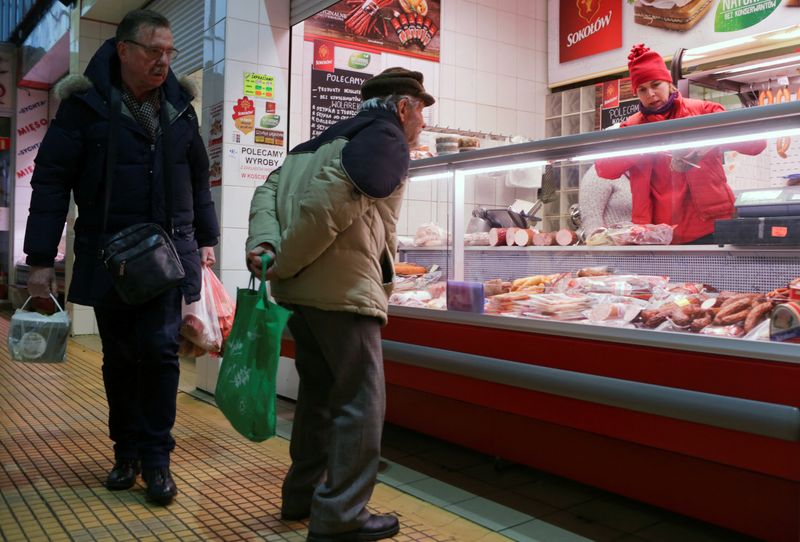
688, 144
478, 170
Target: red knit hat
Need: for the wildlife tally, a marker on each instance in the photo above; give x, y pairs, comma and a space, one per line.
646, 65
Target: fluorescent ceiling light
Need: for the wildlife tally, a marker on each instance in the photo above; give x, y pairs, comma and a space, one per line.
688, 144
506, 167
699, 51
766, 64
430, 177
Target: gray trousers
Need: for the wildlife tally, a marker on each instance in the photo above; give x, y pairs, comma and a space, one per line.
338, 419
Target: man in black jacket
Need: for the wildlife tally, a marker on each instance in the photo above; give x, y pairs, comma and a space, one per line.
140, 343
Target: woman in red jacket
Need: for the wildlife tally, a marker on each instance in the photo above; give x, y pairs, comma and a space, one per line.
687, 188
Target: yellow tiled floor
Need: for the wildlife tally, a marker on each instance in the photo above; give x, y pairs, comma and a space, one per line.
54, 455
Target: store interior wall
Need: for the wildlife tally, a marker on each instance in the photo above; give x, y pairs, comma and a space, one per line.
246, 36
491, 78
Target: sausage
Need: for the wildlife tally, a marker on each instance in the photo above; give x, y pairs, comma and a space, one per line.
565, 237
735, 297
782, 145
679, 318
544, 239
732, 318
782, 95
656, 320
770, 97
762, 97
756, 314
733, 308
497, 237
699, 323
523, 238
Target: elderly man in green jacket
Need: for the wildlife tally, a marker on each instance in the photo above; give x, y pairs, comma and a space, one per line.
329, 218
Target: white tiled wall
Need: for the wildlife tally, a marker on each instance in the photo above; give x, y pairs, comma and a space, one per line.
92, 36
241, 36
493, 66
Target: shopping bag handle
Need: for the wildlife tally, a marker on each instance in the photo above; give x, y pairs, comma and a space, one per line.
51, 297
266, 260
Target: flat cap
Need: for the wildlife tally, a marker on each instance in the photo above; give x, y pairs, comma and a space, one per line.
396, 81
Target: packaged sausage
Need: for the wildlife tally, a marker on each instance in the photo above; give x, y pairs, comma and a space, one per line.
785, 323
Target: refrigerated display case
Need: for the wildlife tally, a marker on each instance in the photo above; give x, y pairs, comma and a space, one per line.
569, 374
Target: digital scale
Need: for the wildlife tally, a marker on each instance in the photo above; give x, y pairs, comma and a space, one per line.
780, 201
767, 216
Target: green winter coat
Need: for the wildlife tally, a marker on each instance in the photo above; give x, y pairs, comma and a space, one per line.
331, 213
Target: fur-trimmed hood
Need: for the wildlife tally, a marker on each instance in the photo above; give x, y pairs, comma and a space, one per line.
103, 71
76, 83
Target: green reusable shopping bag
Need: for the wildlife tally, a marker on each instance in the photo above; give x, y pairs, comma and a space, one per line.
246, 385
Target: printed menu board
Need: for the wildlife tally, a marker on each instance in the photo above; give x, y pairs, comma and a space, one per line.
335, 96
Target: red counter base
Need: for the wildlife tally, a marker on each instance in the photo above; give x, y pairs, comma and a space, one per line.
744, 501
741, 481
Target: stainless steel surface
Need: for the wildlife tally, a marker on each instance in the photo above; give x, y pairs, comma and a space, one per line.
741, 122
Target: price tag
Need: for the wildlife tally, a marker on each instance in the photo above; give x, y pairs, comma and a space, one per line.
780, 231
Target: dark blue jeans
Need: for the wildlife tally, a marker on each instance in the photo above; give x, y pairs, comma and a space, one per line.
140, 372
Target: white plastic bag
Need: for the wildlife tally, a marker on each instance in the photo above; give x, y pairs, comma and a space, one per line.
200, 324
38, 337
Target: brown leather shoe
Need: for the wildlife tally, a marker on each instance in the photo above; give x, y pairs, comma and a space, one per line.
123, 474
377, 527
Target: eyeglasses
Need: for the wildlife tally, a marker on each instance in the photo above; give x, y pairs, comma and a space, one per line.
154, 53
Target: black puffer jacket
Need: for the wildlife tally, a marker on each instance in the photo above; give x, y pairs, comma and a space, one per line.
72, 157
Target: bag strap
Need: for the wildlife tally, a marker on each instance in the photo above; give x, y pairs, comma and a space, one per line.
115, 102
115, 105
60, 309
166, 152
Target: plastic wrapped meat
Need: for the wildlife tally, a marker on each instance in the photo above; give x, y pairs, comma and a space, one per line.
430, 235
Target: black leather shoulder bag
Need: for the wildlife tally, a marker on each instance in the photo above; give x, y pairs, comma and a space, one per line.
142, 258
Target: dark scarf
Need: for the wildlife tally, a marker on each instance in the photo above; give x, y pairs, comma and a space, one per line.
146, 112
661, 110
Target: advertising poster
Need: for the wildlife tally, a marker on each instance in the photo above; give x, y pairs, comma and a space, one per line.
335, 96
259, 127
406, 27
215, 144
577, 52
32, 124
617, 102
589, 27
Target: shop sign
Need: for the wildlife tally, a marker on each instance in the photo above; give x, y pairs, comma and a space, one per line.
269, 137
323, 55
405, 27
735, 15
662, 25
244, 115
32, 124
611, 94
259, 85
359, 61
618, 113
588, 27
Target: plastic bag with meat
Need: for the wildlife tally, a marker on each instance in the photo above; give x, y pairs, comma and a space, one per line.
430, 235
200, 324
225, 306
640, 234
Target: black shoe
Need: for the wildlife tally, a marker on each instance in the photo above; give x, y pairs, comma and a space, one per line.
123, 475
376, 528
160, 485
295, 515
